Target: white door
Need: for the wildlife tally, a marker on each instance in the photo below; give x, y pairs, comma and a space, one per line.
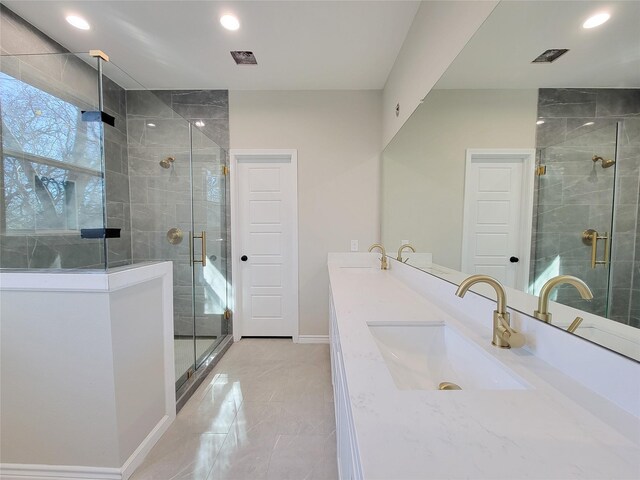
267, 249
497, 216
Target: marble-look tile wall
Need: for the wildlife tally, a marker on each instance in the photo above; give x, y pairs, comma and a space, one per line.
577, 194
162, 198
69, 78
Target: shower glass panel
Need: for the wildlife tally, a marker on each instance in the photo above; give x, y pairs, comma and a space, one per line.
574, 224
161, 207
177, 198
209, 227
51, 172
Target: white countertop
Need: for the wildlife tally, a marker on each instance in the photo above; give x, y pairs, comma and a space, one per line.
558, 429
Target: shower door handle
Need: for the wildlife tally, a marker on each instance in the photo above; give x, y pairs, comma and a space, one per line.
203, 255
591, 236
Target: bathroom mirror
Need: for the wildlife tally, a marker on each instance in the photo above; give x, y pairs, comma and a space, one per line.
526, 169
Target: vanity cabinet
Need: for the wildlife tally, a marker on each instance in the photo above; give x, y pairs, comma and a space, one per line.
348, 458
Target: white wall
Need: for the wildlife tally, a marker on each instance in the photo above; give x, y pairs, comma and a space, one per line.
86, 361
337, 135
423, 167
438, 33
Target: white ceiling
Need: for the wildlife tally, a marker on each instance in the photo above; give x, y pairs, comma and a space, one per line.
299, 45
500, 53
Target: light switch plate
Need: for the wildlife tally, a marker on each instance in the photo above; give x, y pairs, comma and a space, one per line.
354, 245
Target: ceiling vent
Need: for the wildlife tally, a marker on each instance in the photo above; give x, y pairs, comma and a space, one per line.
243, 57
550, 55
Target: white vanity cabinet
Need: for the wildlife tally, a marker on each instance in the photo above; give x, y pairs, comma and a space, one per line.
348, 458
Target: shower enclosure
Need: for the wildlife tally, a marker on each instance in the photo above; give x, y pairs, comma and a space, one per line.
586, 216
99, 173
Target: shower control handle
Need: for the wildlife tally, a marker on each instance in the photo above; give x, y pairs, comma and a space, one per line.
244, 258
514, 259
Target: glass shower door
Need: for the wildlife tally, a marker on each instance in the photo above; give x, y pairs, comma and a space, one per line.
209, 244
575, 200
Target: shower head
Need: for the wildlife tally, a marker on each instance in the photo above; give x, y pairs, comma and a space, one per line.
167, 162
606, 163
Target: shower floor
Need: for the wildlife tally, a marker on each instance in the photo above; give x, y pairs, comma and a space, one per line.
183, 352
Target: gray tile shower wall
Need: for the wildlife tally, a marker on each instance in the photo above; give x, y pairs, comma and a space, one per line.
577, 194
161, 198
210, 107
68, 78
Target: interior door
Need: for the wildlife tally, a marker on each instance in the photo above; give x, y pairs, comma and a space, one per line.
267, 220
494, 243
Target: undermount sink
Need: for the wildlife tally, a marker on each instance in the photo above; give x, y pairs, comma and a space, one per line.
360, 270
421, 356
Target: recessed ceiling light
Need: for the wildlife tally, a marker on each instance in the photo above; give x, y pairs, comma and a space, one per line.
78, 22
230, 22
539, 122
152, 125
200, 123
596, 20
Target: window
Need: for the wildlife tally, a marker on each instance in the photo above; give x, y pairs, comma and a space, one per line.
51, 162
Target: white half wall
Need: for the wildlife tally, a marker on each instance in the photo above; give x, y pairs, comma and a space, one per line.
88, 384
423, 168
337, 135
439, 31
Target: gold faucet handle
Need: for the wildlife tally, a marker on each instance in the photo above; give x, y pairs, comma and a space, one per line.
514, 339
509, 335
575, 324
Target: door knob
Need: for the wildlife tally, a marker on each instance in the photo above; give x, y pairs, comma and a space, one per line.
244, 258
514, 259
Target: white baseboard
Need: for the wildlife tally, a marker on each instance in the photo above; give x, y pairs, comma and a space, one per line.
138, 456
313, 339
20, 471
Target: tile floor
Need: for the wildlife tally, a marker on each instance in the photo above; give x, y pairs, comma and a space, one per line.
264, 412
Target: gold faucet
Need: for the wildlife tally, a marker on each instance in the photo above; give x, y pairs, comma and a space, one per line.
383, 259
503, 335
542, 313
402, 247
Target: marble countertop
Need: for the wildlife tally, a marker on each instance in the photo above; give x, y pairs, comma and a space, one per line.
557, 429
